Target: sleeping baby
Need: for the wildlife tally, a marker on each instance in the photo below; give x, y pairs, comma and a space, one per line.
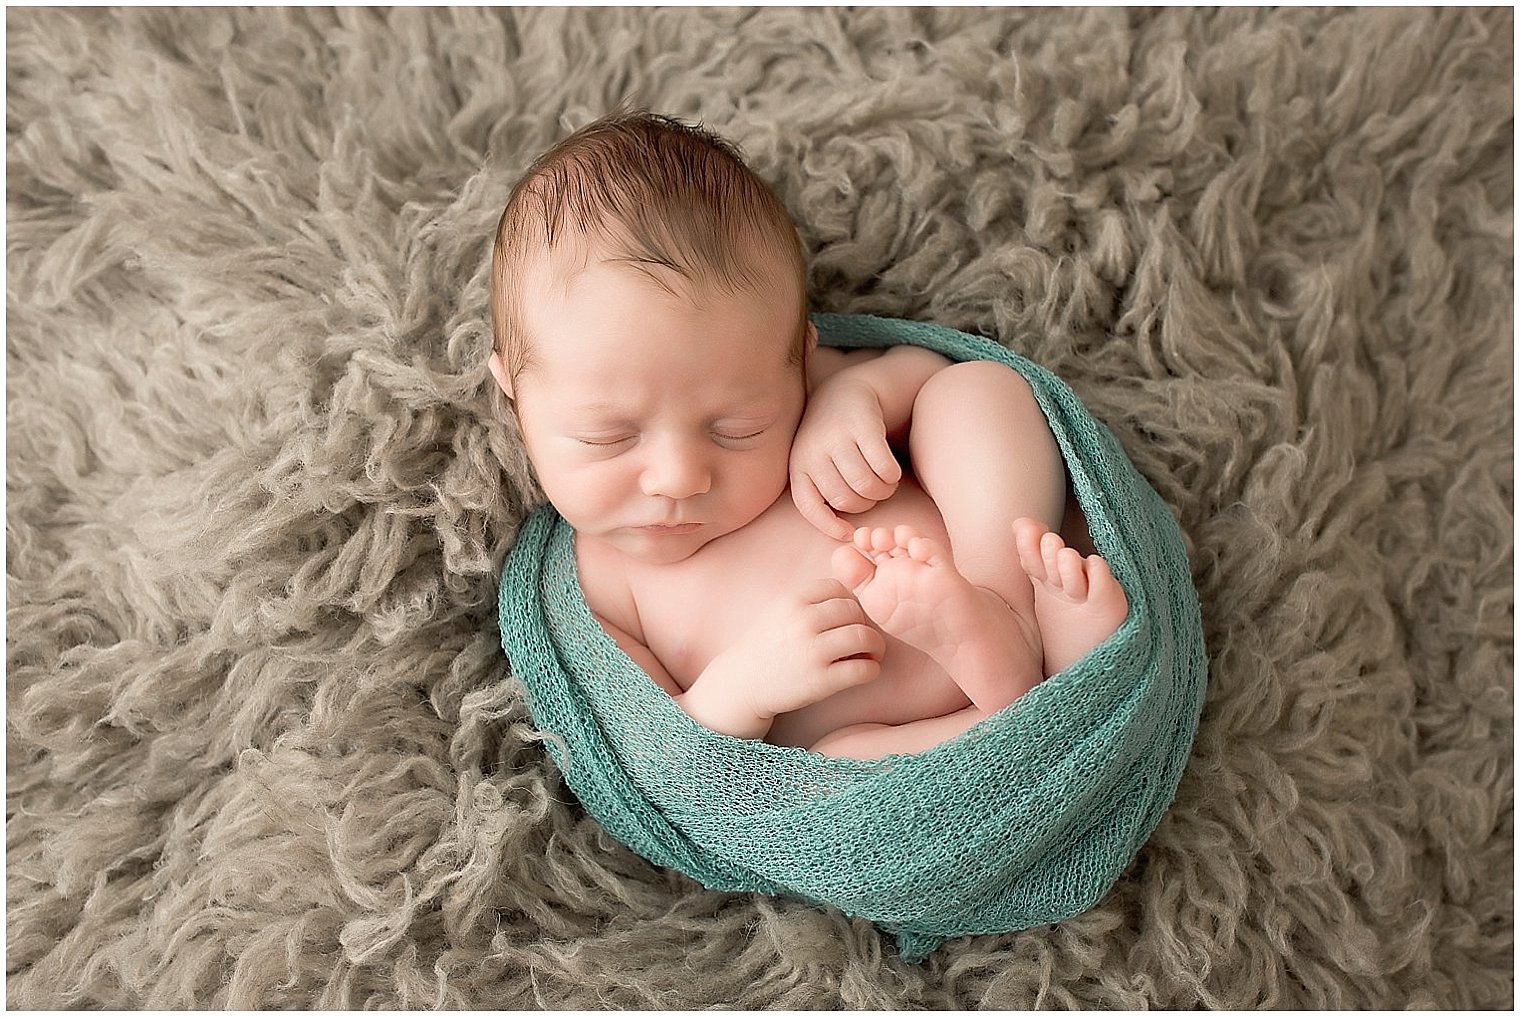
860, 553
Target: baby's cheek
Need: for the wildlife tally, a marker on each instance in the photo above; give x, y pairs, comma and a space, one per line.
577, 494
772, 475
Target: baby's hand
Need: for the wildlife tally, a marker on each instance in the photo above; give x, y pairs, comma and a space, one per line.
819, 642
813, 643
840, 459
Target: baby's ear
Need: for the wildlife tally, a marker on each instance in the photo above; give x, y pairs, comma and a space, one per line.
499, 372
809, 345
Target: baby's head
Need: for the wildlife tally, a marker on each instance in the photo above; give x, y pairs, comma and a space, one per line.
651, 332
646, 191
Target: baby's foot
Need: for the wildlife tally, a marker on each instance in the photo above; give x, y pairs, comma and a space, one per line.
910, 588
1077, 600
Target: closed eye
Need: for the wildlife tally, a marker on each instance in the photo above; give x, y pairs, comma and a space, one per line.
721, 436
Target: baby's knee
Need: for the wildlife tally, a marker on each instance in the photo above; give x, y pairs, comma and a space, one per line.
976, 383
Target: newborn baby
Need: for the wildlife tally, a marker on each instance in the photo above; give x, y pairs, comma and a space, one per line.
858, 553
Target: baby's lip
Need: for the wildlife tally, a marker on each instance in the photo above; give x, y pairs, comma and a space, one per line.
671, 527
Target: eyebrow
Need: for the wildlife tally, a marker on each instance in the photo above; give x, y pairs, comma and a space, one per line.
610, 409
618, 414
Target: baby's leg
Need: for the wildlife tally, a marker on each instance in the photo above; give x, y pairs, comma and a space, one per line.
873, 741
982, 449
1077, 601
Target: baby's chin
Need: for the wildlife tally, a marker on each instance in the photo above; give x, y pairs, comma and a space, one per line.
658, 548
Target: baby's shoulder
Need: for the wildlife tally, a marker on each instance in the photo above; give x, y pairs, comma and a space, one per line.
605, 584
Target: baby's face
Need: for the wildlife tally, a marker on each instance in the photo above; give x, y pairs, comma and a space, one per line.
657, 421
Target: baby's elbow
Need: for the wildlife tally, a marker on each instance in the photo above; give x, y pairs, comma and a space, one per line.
903, 373
921, 361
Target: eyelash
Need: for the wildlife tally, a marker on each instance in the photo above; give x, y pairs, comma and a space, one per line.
619, 441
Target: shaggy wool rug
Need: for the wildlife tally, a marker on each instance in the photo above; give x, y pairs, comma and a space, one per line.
264, 749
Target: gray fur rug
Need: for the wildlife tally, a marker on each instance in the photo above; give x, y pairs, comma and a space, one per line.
263, 747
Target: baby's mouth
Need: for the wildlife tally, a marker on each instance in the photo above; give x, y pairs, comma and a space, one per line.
670, 529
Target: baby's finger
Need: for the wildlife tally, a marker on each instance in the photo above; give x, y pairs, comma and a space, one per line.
836, 489
815, 509
852, 671
851, 641
836, 611
862, 478
878, 453
825, 589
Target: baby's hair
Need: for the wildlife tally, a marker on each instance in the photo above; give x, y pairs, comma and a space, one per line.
649, 190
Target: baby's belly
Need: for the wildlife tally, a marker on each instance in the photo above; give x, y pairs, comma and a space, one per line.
695, 610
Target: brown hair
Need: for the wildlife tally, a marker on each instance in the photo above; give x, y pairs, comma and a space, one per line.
653, 191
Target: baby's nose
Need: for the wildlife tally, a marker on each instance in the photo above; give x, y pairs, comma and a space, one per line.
676, 472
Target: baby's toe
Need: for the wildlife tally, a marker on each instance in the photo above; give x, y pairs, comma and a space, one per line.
903, 535
1050, 548
926, 550
1027, 532
1102, 584
851, 568
1073, 573
1026, 543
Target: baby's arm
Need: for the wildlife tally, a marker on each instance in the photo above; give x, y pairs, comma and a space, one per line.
714, 700
842, 458
810, 645
894, 378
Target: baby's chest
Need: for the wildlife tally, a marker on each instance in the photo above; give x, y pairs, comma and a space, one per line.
693, 611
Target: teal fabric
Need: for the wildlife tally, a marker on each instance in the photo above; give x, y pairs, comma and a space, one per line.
1023, 820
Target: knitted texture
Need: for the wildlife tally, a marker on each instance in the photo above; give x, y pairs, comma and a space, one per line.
1023, 820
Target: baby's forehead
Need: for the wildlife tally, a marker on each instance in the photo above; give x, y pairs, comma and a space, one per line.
544, 266
582, 392
678, 264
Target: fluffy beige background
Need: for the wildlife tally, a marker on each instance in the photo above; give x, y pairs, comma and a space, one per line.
263, 747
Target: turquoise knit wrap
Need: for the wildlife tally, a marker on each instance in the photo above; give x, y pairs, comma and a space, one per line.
1025, 819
